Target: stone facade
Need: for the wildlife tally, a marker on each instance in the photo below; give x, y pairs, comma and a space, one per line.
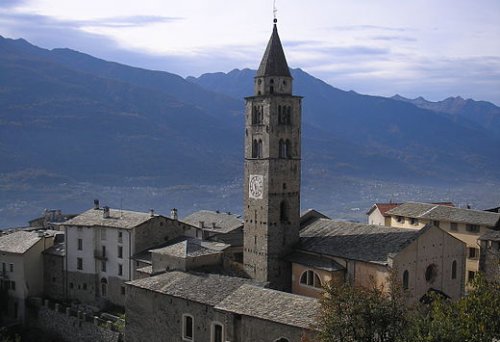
54, 276
153, 316
157, 307
489, 260
81, 287
272, 170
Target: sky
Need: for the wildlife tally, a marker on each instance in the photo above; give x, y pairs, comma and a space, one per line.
429, 48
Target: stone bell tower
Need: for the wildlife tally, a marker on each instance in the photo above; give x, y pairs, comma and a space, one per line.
272, 170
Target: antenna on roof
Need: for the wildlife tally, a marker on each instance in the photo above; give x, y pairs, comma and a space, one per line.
275, 11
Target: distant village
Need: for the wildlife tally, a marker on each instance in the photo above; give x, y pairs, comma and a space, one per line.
111, 274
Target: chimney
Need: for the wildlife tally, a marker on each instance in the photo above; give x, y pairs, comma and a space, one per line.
105, 212
96, 204
151, 212
173, 214
201, 224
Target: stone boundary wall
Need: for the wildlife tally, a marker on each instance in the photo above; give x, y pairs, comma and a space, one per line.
73, 325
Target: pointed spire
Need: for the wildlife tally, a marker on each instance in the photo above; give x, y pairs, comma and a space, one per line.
274, 62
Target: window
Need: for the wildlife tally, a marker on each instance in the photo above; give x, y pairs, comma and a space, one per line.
473, 228
79, 263
187, 328
120, 252
80, 244
436, 223
431, 273
13, 285
84, 286
282, 339
4, 267
472, 275
120, 237
103, 251
406, 279
11, 268
103, 266
414, 221
71, 286
400, 219
453, 226
257, 148
454, 270
283, 211
310, 278
473, 253
284, 148
217, 333
122, 290
104, 287
120, 269
284, 114
257, 115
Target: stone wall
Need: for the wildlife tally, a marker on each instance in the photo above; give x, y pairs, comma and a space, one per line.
257, 330
75, 325
489, 261
54, 276
82, 286
152, 316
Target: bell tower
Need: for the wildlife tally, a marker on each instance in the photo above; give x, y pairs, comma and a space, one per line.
272, 170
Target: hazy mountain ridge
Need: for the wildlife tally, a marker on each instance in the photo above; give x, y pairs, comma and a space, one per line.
73, 127
482, 113
426, 143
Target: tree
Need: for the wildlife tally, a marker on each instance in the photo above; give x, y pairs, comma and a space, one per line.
357, 314
473, 318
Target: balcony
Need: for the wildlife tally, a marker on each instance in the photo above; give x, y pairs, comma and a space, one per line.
100, 255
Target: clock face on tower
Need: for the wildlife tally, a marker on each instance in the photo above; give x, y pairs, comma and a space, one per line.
256, 186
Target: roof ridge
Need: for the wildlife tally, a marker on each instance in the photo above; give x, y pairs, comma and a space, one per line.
428, 211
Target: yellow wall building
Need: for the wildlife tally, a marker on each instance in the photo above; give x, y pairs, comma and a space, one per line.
425, 259
465, 224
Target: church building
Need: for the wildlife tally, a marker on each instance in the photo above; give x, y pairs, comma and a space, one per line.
248, 298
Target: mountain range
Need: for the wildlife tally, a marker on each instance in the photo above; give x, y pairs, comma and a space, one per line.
66, 116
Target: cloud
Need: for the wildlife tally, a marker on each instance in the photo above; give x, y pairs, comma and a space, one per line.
128, 21
394, 38
11, 3
368, 28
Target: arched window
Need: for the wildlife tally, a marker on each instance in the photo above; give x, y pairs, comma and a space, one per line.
282, 339
310, 278
288, 148
283, 211
217, 332
104, 287
187, 327
283, 152
406, 279
454, 270
257, 148
431, 273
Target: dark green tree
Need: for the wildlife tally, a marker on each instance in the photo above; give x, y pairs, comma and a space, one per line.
357, 314
473, 318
